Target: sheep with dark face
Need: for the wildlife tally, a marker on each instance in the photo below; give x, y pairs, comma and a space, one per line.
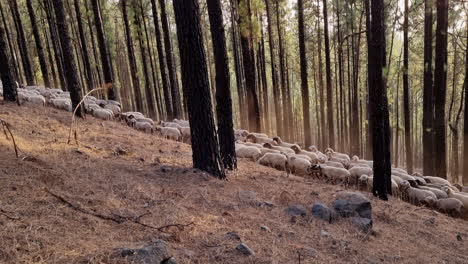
331, 153
283, 144
282, 149
414, 195
298, 165
322, 157
332, 174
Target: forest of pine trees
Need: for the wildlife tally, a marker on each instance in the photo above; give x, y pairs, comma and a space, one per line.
383, 80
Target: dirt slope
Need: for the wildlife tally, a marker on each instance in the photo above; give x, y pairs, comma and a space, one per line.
129, 177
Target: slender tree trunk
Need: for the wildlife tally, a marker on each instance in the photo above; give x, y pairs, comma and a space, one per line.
6, 70
406, 94
195, 80
440, 85
274, 73
69, 66
23, 46
175, 94
84, 46
263, 74
331, 127
282, 69
39, 47
369, 151
8, 39
223, 93
382, 166
105, 59
304, 80
324, 139
465, 122
428, 96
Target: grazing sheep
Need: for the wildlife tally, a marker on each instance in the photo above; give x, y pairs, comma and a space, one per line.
399, 170
439, 193
114, 108
259, 146
297, 165
267, 150
342, 161
147, 120
431, 179
259, 135
357, 172
61, 103
170, 124
352, 165
259, 140
282, 149
249, 152
312, 156
417, 174
169, 132
274, 160
322, 157
240, 133
104, 114
332, 174
405, 177
464, 189
459, 196
186, 135
144, 126
331, 153
414, 195
450, 206
101, 103
35, 100
112, 102
182, 123
90, 107
333, 164
283, 144
356, 162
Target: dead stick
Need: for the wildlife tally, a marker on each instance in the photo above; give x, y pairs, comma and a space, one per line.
7, 126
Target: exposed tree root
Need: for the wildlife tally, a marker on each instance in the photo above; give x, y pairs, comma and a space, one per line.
6, 127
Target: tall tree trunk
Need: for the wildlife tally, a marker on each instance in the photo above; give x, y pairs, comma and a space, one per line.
131, 58
440, 85
39, 47
175, 94
223, 83
378, 102
324, 139
84, 46
406, 93
304, 80
6, 70
55, 42
13, 61
274, 72
282, 69
23, 45
428, 95
331, 128
162, 62
69, 66
369, 151
105, 59
465, 122
195, 81
263, 77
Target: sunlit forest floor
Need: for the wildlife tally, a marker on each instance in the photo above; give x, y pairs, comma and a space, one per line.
142, 182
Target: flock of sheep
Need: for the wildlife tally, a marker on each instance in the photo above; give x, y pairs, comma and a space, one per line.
336, 168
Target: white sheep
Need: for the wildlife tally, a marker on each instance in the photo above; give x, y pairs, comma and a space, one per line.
450, 206
61, 103
431, 179
113, 107
333, 164
186, 134
414, 195
35, 100
283, 144
274, 160
259, 135
104, 114
340, 160
259, 146
101, 102
439, 193
357, 172
112, 102
311, 155
298, 166
267, 150
322, 157
170, 124
249, 152
366, 182
169, 133
332, 174
89, 107
182, 123
282, 149
459, 196
331, 153
144, 126
259, 140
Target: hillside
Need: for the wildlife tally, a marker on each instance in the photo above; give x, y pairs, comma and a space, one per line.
55, 198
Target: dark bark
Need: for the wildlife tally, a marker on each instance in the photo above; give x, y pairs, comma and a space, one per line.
195, 81
263, 78
6, 70
428, 95
331, 127
274, 72
175, 93
39, 47
440, 85
23, 45
465, 125
324, 139
282, 75
105, 59
13, 59
55, 42
378, 102
162, 62
84, 47
369, 151
69, 65
304, 77
406, 94
223, 93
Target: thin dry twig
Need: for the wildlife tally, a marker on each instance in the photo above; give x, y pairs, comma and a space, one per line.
76, 108
6, 126
7, 215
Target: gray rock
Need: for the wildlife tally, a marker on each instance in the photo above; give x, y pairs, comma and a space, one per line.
322, 211
324, 233
351, 204
233, 235
265, 228
364, 224
296, 210
429, 221
244, 249
165, 169
308, 252
156, 252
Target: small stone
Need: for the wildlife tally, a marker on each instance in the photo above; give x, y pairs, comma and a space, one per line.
324, 233
429, 221
322, 212
296, 210
233, 235
165, 169
308, 252
157, 252
265, 228
120, 151
351, 203
244, 249
268, 204
459, 237
364, 224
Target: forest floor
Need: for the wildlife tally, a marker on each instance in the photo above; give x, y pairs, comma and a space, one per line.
54, 198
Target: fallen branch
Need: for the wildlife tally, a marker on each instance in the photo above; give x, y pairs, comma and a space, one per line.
76, 108
114, 217
6, 126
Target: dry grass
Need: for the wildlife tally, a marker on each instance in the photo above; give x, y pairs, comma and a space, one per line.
36, 227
